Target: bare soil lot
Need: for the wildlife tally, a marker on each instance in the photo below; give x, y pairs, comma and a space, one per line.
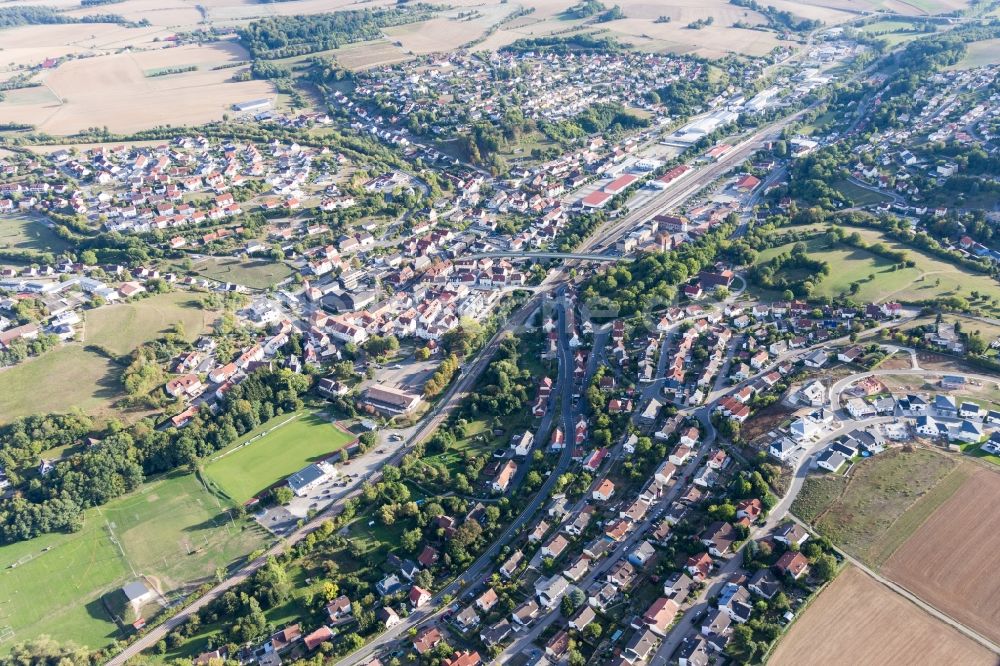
952, 559
116, 91
898, 361
856, 620
883, 501
766, 420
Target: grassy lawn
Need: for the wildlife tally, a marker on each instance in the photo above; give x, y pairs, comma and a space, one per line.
975, 451
283, 445
28, 232
255, 274
977, 54
866, 514
849, 264
73, 376
929, 278
821, 124
858, 195
124, 326
60, 379
893, 32
172, 530
953, 279
521, 149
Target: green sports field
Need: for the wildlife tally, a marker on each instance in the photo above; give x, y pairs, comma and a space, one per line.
172, 530
289, 443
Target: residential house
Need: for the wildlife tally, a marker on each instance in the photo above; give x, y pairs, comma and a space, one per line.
659, 616
791, 534
792, 563
640, 646
604, 491
510, 567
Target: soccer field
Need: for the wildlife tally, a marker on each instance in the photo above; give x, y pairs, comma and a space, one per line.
283, 445
53, 585
172, 530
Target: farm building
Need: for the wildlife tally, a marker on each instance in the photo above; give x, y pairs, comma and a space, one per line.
253, 105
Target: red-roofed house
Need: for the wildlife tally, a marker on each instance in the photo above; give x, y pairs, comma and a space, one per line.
792, 563
427, 639
317, 638
428, 557
747, 183
464, 659
604, 491
419, 596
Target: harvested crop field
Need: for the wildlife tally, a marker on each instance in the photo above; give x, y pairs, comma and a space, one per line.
173, 14
116, 91
952, 559
358, 57
31, 44
856, 620
435, 35
640, 27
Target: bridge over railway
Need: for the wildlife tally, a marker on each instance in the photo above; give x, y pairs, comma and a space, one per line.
545, 255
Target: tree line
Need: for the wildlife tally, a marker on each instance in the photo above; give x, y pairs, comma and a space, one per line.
286, 36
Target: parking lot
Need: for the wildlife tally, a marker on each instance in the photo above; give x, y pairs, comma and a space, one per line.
284, 519
407, 375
